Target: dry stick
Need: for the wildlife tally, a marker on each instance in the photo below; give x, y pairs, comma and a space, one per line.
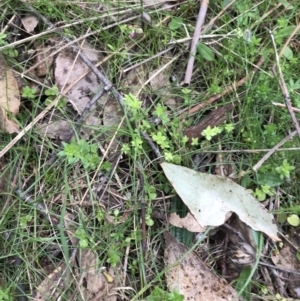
196, 36
283, 87
224, 92
8, 24
197, 32
274, 149
289, 39
277, 104
213, 20
148, 59
278, 268
143, 207
156, 74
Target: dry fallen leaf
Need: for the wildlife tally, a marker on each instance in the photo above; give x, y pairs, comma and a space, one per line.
57, 129
44, 59
161, 80
191, 277
188, 222
211, 199
51, 286
9, 98
287, 259
67, 73
96, 285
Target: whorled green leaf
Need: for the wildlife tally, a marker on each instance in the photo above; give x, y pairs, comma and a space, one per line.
212, 198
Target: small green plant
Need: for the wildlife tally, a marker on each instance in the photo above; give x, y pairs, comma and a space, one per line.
160, 112
264, 191
132, 103
81, 151
3, 36
83, 238
51, 94
186, 95
11, 52
5, 294
175, 23
284, 170
29, 93
209, 132
161, 139
160, 295
114, 257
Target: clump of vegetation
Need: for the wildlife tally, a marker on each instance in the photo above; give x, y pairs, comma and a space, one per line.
103, 191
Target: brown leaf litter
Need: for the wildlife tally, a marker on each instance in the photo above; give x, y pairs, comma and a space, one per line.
191, 277
9, 98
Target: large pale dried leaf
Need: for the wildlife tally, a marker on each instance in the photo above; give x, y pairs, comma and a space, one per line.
188, 222
66, 74
211, 198
191, 277
30, 22
9, 98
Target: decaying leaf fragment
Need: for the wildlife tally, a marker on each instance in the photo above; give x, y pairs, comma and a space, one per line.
287, 259
52, 286
58, 129
188, 222
211, 198
9, 98
69, 70
30, 22
191, 277
97, 285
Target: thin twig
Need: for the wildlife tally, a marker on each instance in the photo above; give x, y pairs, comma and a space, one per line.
214, 98
277, 104
273, 150
289, 39
283, 86
213, 20
143, 207
197, 32
278, 268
